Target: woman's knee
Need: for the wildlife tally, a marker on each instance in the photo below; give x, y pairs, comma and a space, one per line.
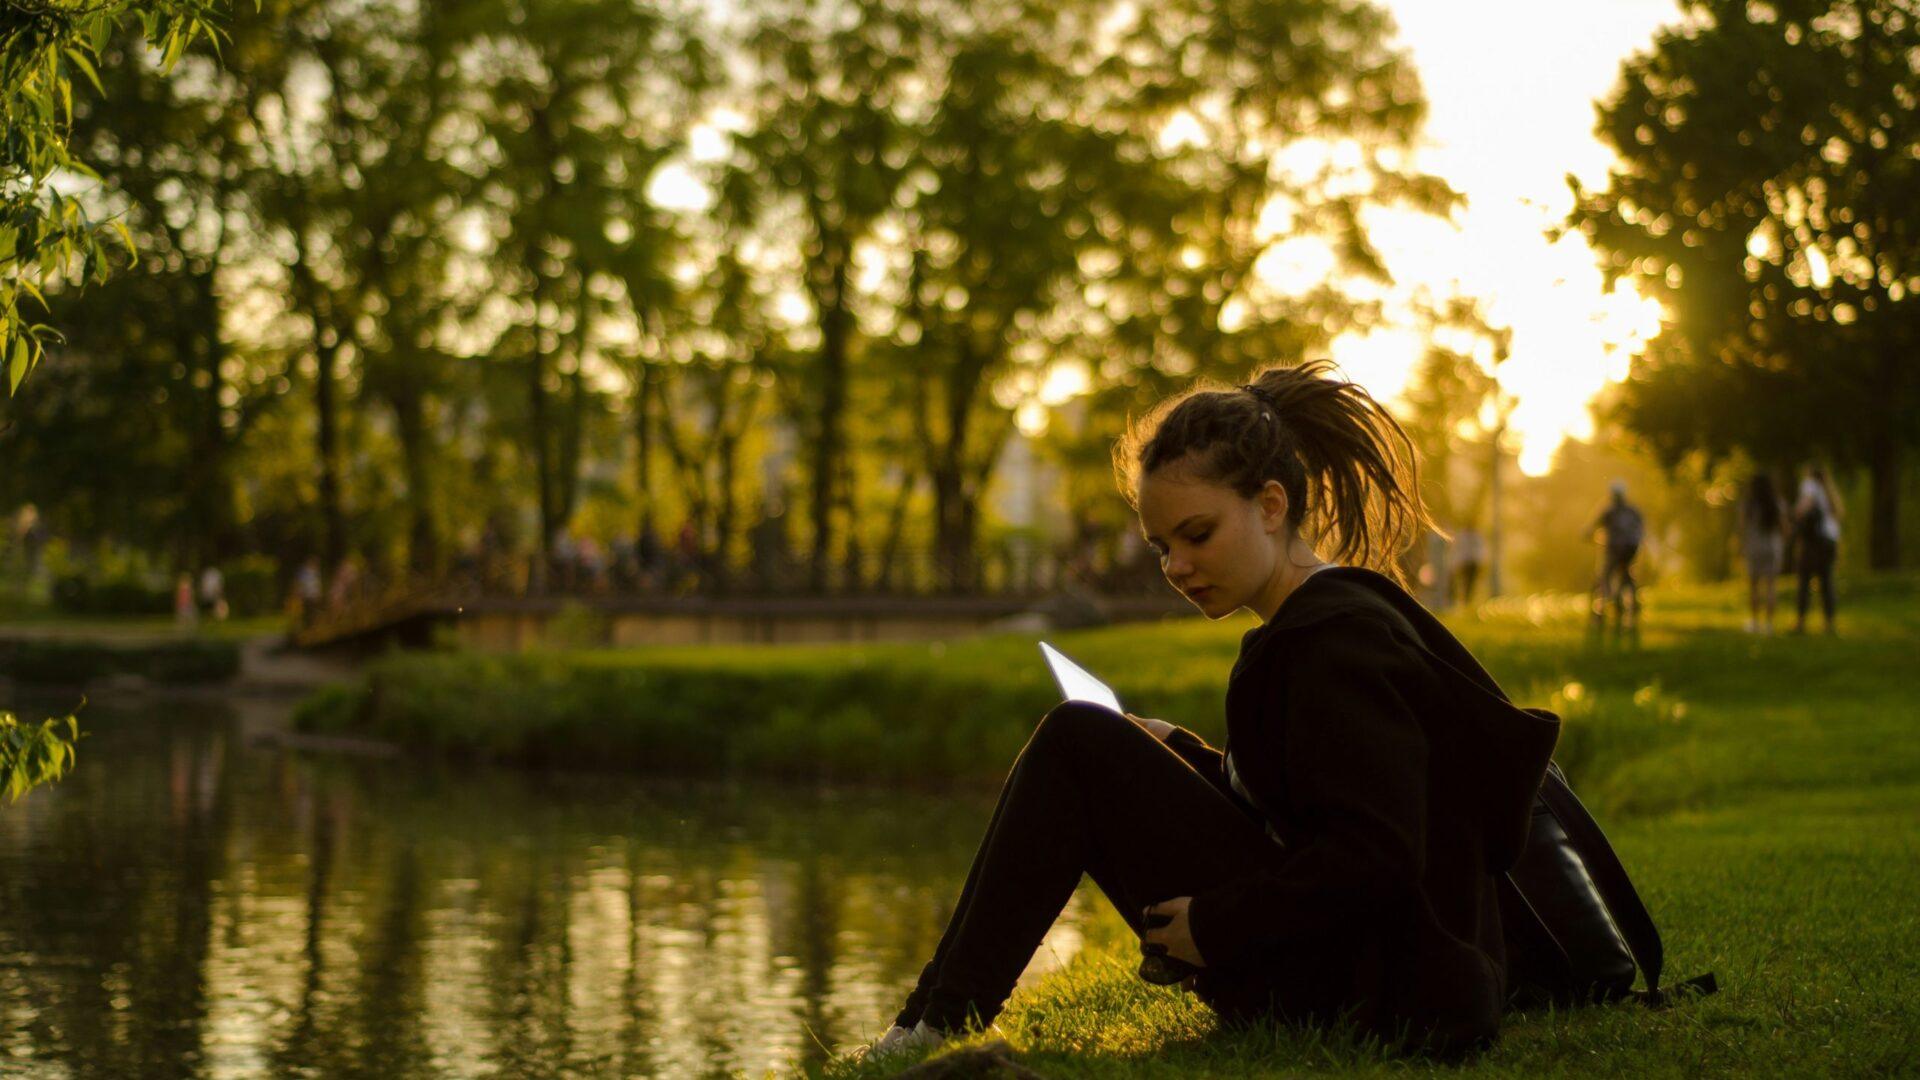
1074, 726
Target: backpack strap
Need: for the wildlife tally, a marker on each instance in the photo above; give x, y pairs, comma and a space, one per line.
1623, 900
1698, 986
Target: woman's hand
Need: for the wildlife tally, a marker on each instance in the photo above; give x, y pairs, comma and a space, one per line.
1159, 729
1177, 936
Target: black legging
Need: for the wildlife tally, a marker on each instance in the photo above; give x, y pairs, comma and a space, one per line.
1816, 561
1091, 793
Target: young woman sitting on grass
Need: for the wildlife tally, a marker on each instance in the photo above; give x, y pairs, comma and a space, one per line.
1336, 861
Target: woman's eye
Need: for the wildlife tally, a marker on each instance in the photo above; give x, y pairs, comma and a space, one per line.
1201, 538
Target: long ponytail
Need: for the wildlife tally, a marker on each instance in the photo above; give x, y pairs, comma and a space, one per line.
1349, 470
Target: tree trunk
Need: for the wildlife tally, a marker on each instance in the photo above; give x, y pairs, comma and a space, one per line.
326, 408
729, 453
1496, 544
537, 426
953, 511
1883, 538
835, 331
566, 480
643, 450
409, 421
896, 522
573, 430
690, 475
200, 350
953, 523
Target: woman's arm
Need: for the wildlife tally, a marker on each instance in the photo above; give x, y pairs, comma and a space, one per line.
1804, 501
1193, 750
1355, 768
1159, 729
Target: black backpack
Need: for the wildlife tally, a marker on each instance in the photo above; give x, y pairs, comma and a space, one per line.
1576, 930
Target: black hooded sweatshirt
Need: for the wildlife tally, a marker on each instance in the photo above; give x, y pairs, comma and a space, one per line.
1398, 781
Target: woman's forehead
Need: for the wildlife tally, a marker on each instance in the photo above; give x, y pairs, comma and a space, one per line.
1168, 497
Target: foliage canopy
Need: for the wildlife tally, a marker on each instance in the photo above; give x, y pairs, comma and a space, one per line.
1768, 194
44, 229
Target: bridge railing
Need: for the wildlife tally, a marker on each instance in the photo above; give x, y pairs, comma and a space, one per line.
1007, 572
366, 603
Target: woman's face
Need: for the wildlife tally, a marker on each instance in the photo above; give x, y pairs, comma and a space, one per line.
1218, 548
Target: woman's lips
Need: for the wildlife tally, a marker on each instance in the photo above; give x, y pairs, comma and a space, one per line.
1195, 594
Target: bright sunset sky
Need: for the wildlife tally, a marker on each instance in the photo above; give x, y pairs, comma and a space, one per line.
1510, 87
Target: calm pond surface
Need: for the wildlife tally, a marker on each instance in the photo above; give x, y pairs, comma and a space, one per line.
190, 902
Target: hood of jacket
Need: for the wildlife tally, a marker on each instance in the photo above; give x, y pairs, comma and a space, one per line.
1504, 748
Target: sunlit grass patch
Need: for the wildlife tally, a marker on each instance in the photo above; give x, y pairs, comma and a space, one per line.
1763, 792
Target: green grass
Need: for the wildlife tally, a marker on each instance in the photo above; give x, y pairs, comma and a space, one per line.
75, 661
43, 622
1764, 793
887, 713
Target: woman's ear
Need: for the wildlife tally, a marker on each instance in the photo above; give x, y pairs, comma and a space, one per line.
1273, 506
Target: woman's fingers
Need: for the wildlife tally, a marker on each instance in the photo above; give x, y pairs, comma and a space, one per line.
1159, 729
1166, 927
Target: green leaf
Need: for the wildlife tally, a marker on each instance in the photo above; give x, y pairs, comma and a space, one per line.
176, 42
17, 370
87, 68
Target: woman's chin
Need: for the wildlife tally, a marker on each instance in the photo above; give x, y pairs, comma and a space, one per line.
1208, 601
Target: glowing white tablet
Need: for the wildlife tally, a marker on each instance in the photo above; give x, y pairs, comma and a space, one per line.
1076, 683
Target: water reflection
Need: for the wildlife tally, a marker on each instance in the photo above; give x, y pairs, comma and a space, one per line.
187, 904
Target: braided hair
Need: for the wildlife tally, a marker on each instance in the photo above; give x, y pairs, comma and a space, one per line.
1350, 473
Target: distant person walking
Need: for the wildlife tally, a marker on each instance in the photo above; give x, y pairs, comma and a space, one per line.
1763, 543
1469, 555
1816, 532
1622, 529
213, 593
307, 591
185, 614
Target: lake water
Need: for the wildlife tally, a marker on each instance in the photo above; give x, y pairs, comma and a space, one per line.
193, 902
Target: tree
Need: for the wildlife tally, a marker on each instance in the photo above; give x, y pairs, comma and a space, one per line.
1009, 192
1768, 196
719, 387
360, 193
583, 103
172, 158
1232, 87
34, 755
828, 140
1236, 86
1447, 398
43, 228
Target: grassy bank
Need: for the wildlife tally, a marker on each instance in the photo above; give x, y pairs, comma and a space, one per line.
884, 712
76, 661
1765, 793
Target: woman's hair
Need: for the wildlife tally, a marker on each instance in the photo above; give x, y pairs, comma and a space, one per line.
1349, 470
1763, 501
1826, 485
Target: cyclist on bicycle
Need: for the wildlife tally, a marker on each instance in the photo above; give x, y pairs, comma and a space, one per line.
1622, 528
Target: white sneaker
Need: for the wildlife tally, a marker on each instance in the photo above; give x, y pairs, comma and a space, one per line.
899, 1040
